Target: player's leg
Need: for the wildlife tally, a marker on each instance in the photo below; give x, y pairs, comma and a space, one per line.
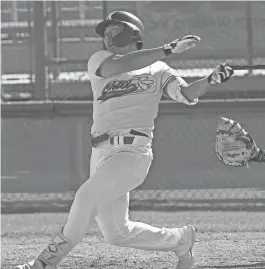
118, 230
119, 174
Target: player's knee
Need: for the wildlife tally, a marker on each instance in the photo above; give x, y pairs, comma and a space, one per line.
79, 195
116, 240
141, 180
83, 194
119, 238
109, 239
89, 190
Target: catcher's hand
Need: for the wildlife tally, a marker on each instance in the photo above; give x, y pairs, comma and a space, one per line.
181, 44
233, 145
221, 73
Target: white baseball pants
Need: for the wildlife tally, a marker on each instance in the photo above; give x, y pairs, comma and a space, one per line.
115, 171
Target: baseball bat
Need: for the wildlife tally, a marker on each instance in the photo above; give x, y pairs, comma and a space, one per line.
248, 67
57, 61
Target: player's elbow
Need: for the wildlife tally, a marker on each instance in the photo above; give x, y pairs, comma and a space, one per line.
196, 89
189, 93
178, 94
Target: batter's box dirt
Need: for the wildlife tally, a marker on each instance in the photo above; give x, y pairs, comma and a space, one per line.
23, 237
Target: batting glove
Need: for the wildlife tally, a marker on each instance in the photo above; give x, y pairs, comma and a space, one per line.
221, 73
181, 44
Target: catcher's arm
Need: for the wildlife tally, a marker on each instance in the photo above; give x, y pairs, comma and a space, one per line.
260, 156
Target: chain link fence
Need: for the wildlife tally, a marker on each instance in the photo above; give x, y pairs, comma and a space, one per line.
158, 200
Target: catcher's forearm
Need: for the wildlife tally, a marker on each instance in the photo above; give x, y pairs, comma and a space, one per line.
196, 89
260, 156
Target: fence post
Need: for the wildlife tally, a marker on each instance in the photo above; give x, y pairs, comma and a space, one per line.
249, 29
39, 49
14, 11
30, 41
105, 14
55, 29
82, 9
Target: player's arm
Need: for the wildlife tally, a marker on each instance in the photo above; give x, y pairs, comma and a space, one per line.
259, 157
259, 154
178, 89
195, 89
117, 64
221, 74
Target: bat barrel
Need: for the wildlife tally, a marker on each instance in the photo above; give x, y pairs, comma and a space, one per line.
248, 67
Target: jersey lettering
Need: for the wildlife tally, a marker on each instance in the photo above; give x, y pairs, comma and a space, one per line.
134, 85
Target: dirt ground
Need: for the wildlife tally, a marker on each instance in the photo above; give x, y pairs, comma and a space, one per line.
228, 240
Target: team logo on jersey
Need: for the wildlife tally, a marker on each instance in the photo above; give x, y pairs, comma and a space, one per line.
135, 85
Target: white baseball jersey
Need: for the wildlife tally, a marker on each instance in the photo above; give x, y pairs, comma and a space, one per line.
129, 100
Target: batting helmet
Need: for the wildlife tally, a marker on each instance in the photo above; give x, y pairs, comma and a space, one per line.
127, 19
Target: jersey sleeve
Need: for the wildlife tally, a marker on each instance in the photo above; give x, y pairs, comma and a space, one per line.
171, 86
95, 61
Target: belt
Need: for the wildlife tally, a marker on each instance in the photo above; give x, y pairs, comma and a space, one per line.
119, 140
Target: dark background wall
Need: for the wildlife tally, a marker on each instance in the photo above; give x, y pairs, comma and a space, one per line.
46, 155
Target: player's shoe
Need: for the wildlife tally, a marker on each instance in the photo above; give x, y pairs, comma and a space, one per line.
186, 260
34, 264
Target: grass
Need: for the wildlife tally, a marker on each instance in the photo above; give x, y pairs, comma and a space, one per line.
229, 240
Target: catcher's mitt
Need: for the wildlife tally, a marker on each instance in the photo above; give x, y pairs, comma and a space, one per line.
233, 145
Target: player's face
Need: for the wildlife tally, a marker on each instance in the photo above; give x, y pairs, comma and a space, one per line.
110, 32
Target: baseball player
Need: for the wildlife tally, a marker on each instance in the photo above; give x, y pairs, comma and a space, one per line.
128, 83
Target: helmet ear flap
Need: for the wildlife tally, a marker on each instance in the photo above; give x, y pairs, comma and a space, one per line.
127, 36
139, 45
